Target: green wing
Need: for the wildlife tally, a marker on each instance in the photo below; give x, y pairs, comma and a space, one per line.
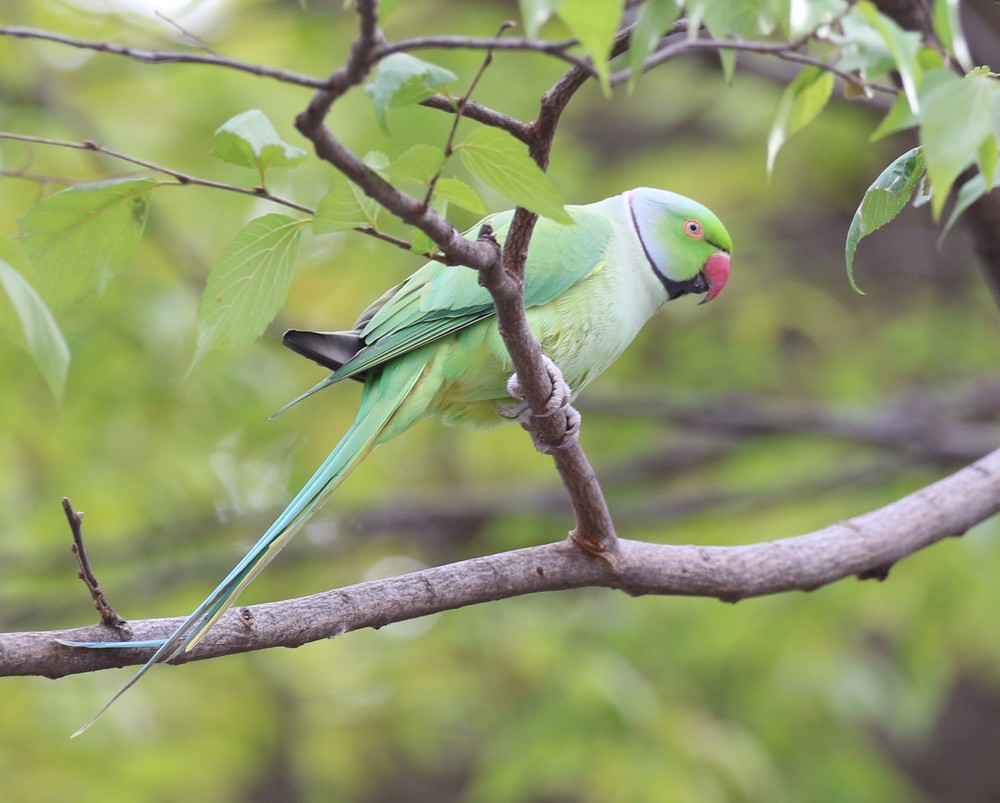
440, 299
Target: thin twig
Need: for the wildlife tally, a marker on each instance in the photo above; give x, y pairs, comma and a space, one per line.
459, 111
182, 178
108, 614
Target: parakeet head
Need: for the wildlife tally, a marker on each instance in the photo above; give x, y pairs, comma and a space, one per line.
686, 245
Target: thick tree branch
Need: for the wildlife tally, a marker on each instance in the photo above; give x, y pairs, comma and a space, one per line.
866, 546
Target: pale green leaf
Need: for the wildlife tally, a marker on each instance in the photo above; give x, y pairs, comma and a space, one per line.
249, 140
956, 121
805, 16
535, 13
903, 46
377, 161
987, 160
884, 200
79, 239
503, 164
34, 328
655, 17
802, 100
970, 192
946, 21
344, 207
248, 284
419, 163
420, 243
402, 79
861, 47
594, 24
459, 193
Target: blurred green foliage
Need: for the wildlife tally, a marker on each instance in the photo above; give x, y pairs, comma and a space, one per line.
582, 696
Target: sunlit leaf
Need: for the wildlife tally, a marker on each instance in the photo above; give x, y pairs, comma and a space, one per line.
377, 161
344, 207
802, 100
655, 16
248, 284
26, 318
249, 140
594, 24
402, 79
956, 121
805, 16
459, 193
503, 164
884, 200
419, 163
79, 239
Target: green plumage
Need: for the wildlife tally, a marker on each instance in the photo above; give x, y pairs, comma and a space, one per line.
430, 347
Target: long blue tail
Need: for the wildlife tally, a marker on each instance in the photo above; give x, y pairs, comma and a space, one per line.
375, 413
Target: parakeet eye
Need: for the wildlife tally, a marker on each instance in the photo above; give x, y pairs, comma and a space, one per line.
693, 229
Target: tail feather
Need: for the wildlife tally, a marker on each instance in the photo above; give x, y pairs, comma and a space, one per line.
359, 440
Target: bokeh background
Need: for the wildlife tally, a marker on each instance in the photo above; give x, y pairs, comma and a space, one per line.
789, 403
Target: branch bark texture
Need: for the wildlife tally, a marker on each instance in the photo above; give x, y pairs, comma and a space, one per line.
866, 546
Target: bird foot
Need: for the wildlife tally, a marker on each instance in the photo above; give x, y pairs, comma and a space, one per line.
558, 401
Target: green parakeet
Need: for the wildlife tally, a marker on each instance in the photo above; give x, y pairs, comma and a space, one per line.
430, 347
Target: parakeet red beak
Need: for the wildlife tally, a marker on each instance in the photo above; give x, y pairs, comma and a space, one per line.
716, 273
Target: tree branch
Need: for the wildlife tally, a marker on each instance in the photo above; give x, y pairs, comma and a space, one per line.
866, 546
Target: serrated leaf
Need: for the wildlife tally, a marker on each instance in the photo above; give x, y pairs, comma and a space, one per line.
459, 193
902, 45
344, 207
250, 140
594, 24
248, 284
419, 163
956, 122
402, 79
655, 16
35, 329
883, 200
502, 164
79, 239
802, 100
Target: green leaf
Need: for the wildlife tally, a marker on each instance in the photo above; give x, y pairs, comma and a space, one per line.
79, 239
987, 160
594, 24
249, 140
801, 101
343, 208
35, 330
805, 16
459, 193
862, 48
377, 161
248, 284
420, 163
971, 191
948, 29
899, 117
535, 13
502, 164
903, 46
956, 121
655, 16
402, 79
882, 202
